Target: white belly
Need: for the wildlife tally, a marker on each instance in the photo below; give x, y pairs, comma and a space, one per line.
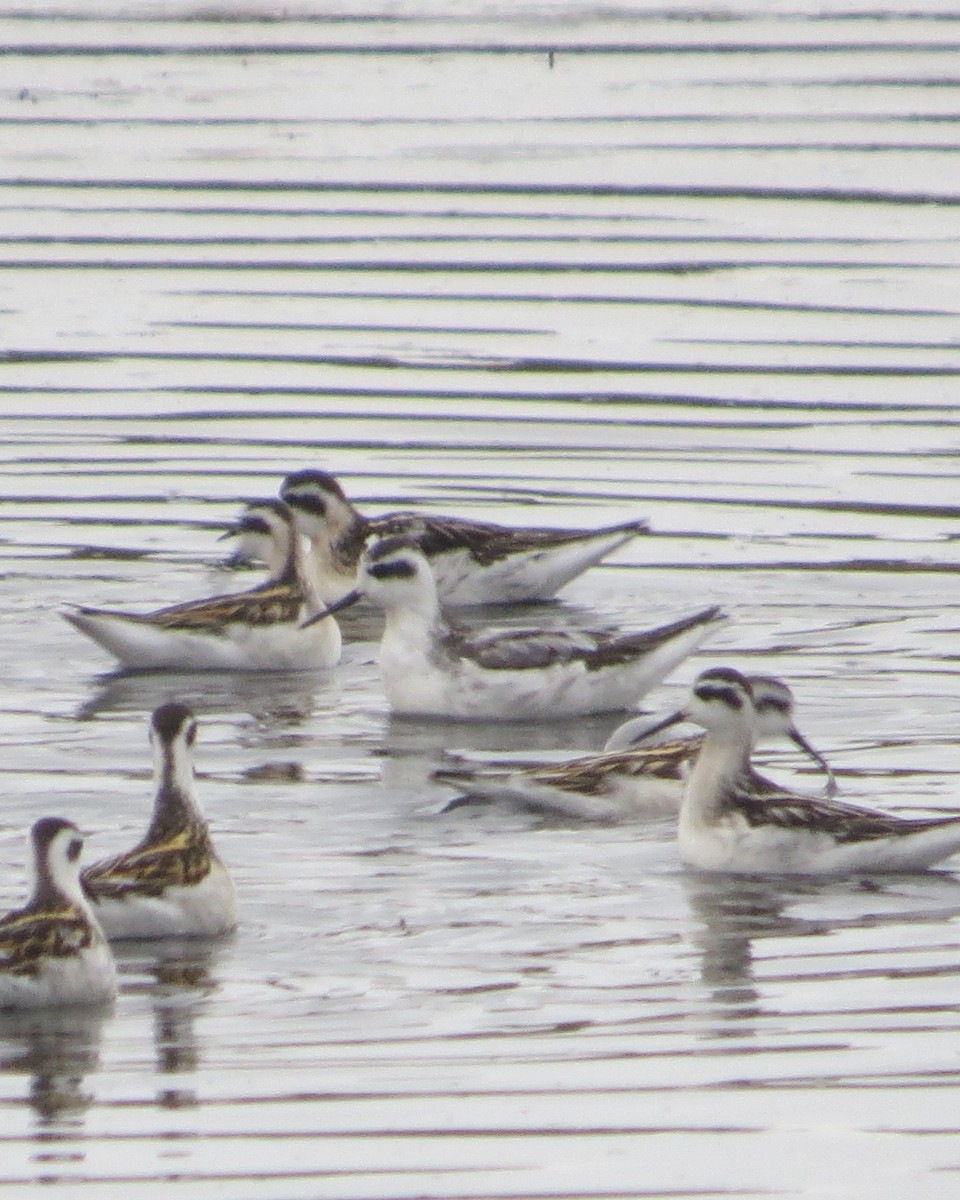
240, 647
87, 978
732, 845
205, 909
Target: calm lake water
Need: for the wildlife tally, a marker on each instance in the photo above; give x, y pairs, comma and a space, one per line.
541, 263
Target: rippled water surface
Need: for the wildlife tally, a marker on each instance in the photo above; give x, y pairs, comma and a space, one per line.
541, 263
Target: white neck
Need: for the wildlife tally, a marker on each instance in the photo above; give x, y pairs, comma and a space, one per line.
413, 618
56, 877
68, 882
721, 762
323, 574
414, 628
304, 566
278, 555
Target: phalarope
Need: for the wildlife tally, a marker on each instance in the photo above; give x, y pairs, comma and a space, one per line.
474, 562
430, 668
171, 884
724, 826
53, 951
256, 539
635, 775
259, 629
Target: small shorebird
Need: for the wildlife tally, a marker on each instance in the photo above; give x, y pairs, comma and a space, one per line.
53, 951
257, 540
171, 884
634, 776
256, 630
473, 562
724, 826
430, 668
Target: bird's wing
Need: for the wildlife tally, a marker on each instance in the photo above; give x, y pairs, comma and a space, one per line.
149, 869
27, 936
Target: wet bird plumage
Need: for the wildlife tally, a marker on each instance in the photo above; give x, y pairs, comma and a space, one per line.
52, 950
431, 667
474, 562
152, 867
724, 827
641, 777
172, 882
258, 629
267, 604
27, 937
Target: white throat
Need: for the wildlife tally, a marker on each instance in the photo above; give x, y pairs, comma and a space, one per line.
413, 620
65, 877
722, 761
279, 554
323, 574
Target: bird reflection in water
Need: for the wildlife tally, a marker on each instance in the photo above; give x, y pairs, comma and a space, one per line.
178, 977
272, 713
270, 697
731, 912
58, 1049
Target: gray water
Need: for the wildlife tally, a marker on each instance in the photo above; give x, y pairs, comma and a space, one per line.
547, 264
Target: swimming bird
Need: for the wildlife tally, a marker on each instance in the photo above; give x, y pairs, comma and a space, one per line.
53, 951
634, 776
474, 562
259, 629
724, 826
431, 668
172, 883
256, 540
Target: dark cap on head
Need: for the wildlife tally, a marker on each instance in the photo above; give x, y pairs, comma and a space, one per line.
771, 693
275, 506
320, 479
169, 719
386, 547
47, 828
724, 684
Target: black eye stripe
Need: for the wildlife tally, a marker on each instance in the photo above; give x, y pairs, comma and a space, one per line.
400, 568
254, 525
772, 702
308, 502
74, 848
728, 695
